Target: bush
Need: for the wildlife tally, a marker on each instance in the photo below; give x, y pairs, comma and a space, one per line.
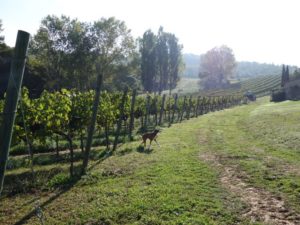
250, 96
278, 96
293, 92
59, 180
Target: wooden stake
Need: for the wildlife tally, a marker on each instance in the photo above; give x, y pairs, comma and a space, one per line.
12, 98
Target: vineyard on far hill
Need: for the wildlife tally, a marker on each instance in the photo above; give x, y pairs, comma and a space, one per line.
260, 86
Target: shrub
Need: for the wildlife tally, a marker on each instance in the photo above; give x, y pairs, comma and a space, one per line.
278, 95
59, 180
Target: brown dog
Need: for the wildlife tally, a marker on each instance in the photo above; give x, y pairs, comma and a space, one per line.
151, 136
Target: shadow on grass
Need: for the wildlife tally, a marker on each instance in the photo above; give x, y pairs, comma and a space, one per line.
125, 151
56, 178
142, 149
35, 212
28, 182
101, 157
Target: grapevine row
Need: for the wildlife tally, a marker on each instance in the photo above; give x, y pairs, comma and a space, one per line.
66, 114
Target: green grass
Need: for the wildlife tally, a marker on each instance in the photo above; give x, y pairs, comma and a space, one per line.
262, 140
171, 184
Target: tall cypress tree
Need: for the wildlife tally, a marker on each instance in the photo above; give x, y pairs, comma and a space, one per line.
162, 60
287, 74
148, 64
174, 61
283, 74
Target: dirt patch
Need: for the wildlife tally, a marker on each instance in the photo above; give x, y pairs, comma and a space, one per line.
263, 206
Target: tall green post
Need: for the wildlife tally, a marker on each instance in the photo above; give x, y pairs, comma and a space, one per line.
131, 123
119, 123
11, 101
92, 125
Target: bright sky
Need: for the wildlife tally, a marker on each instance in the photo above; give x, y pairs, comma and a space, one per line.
256, 30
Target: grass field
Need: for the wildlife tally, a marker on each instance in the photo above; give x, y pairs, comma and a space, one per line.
236, 166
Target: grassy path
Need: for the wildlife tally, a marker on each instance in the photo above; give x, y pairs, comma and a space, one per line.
204, 173
256, 150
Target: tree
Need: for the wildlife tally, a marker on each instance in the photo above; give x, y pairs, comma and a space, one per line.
65, 51
287, 74
283, 76
216, 67
47, 51
175, 60
1, 29
59, 52
112, 45
148, 60
161, 59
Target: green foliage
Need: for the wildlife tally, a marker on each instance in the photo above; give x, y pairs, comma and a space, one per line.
1, 29
285, 75
67, 53
161, 60
278, 95
148, 60
59, 180
67, 113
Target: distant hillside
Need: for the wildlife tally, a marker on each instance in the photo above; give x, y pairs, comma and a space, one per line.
252, 69
244, 69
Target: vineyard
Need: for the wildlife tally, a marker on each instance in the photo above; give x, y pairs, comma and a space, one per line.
260, 86
213, 169
58, 121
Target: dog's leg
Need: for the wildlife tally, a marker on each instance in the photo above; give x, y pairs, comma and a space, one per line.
156, 142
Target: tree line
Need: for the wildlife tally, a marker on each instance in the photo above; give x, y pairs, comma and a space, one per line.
161, 61
68, 53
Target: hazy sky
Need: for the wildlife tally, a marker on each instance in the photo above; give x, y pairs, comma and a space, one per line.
256, 30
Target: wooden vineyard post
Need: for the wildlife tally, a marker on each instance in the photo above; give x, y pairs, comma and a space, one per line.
131, 122
147, 113
170, 108
183, 108
12, 98
208, 105
155, 109
213, 105
175, 107
119, 124
161, 109
201, 105
92, 124
197, 107
56, 146
189, 108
